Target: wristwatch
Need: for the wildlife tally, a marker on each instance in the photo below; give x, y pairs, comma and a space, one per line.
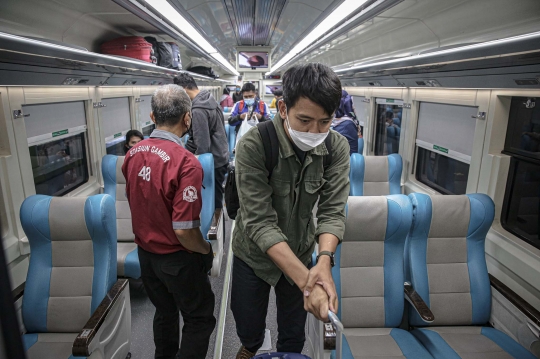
329, 254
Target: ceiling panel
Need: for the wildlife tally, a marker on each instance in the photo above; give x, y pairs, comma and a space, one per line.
414, 26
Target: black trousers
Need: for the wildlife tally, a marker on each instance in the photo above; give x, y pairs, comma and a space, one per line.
177, 282
219, 175
249, 304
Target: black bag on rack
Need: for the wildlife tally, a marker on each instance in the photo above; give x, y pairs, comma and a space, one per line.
203, 70
163, 51
176, 59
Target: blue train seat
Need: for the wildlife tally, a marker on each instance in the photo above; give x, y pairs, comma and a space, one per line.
447, 267
71, 282
231, 137
369, 278
375, 175
360, 145
115, 186
227, 129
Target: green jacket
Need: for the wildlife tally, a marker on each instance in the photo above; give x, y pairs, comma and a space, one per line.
281, 210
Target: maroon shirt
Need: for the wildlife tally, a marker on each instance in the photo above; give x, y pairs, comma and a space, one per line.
163, 188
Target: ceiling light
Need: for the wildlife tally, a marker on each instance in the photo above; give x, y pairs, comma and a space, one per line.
447, 51
340, 13
167, 11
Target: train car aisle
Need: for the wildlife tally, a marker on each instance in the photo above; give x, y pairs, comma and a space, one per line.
142, 344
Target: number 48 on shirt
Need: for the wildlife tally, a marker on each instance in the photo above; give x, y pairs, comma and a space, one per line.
145, 173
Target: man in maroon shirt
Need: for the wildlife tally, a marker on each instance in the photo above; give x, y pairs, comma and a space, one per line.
163, 188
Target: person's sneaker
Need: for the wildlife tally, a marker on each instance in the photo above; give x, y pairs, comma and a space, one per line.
243, 353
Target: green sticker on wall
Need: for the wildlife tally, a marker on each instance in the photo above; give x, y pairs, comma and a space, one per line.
119, 134
60, 133
439, 148
389, 101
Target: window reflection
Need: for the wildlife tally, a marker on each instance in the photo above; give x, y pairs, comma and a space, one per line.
522, 202
523, 136
59, 166
444, 174
146, 131
388, 129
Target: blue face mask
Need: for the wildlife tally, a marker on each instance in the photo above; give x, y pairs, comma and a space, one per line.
249, 101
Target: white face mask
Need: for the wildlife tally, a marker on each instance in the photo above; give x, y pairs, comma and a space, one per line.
306, 141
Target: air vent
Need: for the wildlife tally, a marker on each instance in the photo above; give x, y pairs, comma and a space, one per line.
527, 82
375, 83
421, 83
130, 82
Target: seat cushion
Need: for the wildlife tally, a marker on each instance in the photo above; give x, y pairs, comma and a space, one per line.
381, 343
128, 260
470, 343
49, 345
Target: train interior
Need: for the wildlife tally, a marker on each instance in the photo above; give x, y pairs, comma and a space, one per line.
445, 184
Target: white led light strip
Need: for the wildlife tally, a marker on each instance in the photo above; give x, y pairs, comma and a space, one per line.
340, 13
168, 12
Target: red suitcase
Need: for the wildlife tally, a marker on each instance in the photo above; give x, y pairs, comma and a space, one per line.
135, 47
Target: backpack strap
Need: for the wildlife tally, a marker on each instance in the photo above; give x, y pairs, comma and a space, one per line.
271, 145
327, 159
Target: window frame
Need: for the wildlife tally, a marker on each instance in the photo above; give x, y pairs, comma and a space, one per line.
439, 189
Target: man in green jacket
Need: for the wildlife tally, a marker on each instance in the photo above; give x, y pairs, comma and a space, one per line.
275, 234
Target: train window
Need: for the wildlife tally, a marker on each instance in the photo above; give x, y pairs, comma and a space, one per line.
59, 166
444, 140
116, 123
57, 145
523, 134
444, 174
388, 126
521, 206
145, 107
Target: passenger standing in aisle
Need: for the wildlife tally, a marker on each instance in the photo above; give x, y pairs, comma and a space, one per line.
237, 95
278, 95
163, 188
274, 235
207, 133
344, 123
248, 105
226, 99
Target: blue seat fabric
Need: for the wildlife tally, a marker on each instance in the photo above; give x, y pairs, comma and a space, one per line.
358, 171
361, 145
454, 334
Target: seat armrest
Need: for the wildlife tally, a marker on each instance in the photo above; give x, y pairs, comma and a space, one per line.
418, 303
530, 312
329, 336
216, 221
92, 326
333, 334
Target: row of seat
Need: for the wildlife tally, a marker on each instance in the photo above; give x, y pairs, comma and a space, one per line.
73, 306
437, 245
115, 186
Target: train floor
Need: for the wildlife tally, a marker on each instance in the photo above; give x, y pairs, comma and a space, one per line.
142, 313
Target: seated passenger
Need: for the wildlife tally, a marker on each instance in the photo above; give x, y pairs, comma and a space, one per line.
344, 124
278, 95
132, 138
226, 100
274, 235
207, 131
163, 188
248, 106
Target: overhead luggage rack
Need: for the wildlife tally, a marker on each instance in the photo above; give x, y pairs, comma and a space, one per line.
22, 59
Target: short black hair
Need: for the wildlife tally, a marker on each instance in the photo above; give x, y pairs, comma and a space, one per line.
278, 93
248, 86
226, 91
314, 81
133, 133
186, 81
389, 114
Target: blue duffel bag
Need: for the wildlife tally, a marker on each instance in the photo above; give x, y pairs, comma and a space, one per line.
281, 356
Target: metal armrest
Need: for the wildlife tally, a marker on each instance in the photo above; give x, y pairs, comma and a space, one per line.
530, 312
333, 334
83, 340
418, 303
216, 221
